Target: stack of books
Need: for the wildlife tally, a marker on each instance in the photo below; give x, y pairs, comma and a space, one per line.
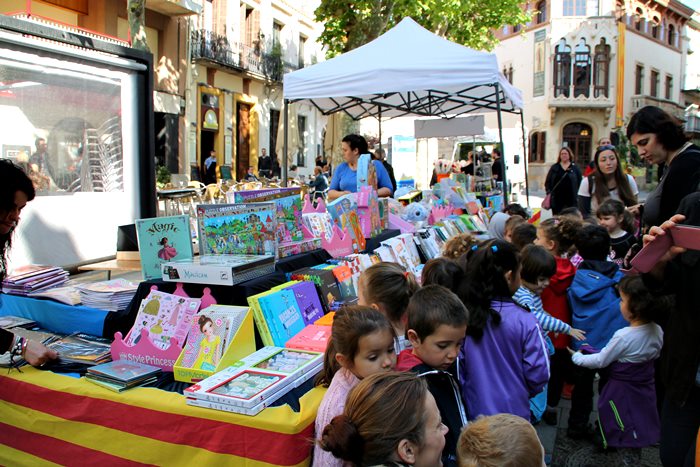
113, 295
251, 384
226, 269
122, 375
81, 348
31, 278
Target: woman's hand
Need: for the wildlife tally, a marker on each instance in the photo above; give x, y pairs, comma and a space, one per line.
657, 231
635, 210
36, 353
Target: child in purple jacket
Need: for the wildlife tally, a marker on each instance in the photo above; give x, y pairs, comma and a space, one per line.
504, 360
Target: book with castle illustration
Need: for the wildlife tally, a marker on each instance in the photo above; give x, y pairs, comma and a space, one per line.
288, 205
165, 316
237, 229
163, 239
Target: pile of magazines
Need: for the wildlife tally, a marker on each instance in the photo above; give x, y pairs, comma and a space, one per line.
113, 295
28, 279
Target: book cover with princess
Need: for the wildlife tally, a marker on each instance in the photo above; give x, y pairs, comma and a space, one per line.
288, 202
163, 239
343, 211
237, 229
164, 315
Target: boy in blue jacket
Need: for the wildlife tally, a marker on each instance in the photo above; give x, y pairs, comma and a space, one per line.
595, 309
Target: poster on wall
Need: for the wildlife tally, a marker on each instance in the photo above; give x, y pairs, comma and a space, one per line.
538, 70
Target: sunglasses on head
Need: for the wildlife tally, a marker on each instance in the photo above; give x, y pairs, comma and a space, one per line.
606, 147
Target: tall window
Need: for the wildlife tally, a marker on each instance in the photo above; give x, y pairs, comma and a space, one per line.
638, 19
655, 27
302, 50
639, 79
301, 126
508, 73
582, 69
601, 69
562, 69
654, 84
671, 35
541, 15
574, 7
669, 87
277, 34
538, 144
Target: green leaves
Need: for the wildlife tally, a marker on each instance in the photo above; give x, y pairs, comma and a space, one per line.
349, 25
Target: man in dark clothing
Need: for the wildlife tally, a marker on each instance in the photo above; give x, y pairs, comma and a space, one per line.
380, 155
497, 169
210, 169
265, 164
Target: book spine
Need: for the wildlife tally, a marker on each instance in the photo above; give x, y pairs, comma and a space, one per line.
259, 319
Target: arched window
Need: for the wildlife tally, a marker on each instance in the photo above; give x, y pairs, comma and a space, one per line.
582, 69
578, 137
638, 19
601, 69
541, 15
655, 27
562, 69
671, 35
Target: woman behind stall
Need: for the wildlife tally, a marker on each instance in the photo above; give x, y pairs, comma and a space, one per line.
562, 182
16, 190
607, 181
660, 139
345, 176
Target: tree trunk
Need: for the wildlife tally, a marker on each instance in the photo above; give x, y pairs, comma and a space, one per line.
137, 24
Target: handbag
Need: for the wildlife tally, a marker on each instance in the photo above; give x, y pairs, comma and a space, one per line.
547, 201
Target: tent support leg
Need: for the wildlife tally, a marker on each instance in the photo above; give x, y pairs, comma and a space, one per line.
500, 137
380, 127
286, 142
525, 157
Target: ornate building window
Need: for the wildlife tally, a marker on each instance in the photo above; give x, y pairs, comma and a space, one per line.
538, 144
562, 69
639, 79
654, 83
638, 19
601, 69
541, 15
582, 69
655, 27
671, 39
669, 87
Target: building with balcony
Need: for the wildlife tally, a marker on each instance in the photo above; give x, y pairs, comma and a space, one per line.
585, 67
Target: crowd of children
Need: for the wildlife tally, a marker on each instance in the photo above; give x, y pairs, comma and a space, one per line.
491, 328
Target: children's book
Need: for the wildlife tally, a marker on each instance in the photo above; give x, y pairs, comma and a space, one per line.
319, 224
9, 322
211, 332
124, 371
343, 275
308, 300
116, 387
325, 281
313, 337
282, 315
344, 211
366, 172
239, 229
288, 205
326, 320
165, 316
218, 269
82, 348
163, 239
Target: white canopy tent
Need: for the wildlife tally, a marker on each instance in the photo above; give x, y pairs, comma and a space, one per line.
408, 70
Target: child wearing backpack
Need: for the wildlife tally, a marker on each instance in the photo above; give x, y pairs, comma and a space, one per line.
557, 236
595, 308
627, 403
504, 361
538, 265
437, 323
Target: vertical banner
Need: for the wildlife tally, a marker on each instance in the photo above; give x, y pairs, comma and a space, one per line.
538, 70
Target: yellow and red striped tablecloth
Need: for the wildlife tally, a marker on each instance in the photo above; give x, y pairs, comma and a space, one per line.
48, 419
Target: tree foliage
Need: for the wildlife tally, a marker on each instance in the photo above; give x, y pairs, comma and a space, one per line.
350, 24
137, 24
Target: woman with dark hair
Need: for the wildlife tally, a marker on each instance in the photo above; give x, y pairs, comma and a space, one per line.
345, 176
660, 139
605, 182
16, 190
389, 419
562, 182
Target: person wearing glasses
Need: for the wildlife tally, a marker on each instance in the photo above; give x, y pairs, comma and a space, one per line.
607, 181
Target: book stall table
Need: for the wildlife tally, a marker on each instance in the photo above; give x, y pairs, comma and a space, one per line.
53, 418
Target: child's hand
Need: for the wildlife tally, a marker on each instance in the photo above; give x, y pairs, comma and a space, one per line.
577, 334
571, 351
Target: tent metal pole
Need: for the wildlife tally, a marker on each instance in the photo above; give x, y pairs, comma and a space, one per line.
525, 157
502, 149
286, 142
380, 127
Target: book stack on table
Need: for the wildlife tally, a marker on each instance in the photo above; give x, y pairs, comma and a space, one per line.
81, 348
122, 375
28, 279
113, 295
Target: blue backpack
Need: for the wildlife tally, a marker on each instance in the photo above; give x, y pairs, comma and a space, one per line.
595, 307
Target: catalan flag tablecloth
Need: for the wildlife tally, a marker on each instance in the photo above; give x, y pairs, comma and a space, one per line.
49, 419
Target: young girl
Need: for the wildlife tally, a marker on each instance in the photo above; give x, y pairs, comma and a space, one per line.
361, 344
458, 245
618, 222
627, 403
538, 265
387, 287
442, 271
501, 336
557, 236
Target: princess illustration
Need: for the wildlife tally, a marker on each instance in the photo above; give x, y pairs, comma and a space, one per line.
167, 252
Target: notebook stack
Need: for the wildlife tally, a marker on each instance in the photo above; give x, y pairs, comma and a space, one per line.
122, 375
251, 384
31, 278
113, 295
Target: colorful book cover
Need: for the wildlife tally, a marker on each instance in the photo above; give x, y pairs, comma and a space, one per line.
288, 205
343, 211
237, 229
307, 297
343, 275
259, 317
326, 320
163, 239
248, 385
164, 315
366, 172
282, 315
368, 204
319, 224
313, 337
210, 334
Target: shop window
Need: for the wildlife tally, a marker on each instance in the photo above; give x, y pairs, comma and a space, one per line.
601, 70
538, 144
582, 69
562, 69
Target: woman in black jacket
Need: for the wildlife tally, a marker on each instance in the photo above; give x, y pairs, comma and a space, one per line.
562, 182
